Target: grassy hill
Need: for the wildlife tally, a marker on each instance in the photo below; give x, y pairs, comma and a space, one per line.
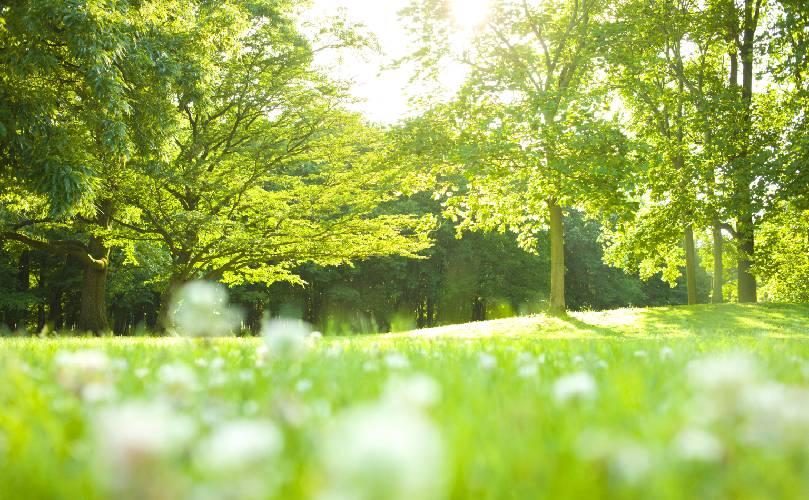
768, 320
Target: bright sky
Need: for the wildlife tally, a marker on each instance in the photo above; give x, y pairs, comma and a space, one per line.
382, 91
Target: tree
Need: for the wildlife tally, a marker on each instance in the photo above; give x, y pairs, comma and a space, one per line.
529, 131
667, 61
264, 170
66, 127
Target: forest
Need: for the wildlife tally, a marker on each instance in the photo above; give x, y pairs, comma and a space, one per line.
598, 154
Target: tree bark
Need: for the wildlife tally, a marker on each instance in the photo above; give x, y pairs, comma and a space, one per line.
557, 235
718, 265
93, 314
164, 313
19, 318
746, 281
690, 265
745, 226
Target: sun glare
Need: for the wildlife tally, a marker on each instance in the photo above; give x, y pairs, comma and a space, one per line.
469, 14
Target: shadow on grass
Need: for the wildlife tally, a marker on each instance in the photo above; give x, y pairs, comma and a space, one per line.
584, 327
724, 319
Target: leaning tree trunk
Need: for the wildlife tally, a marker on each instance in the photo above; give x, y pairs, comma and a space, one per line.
690, 265
557, 234
718, 265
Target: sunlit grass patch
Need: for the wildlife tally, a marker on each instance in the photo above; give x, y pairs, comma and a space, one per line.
591, 406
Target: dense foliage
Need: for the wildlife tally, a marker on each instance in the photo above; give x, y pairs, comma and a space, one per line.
146, 144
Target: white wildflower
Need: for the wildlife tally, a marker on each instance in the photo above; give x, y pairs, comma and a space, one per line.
303, 385
76, 371
486, 361
626, 459
666, 353
698, 445
723, 372
576, 386
98, 392
528, 370
177, 378
201, 309
382, 451
416, 391
397, 361
239, 444
134, 441
285, 338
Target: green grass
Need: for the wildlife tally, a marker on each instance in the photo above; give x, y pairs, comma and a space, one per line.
504, 432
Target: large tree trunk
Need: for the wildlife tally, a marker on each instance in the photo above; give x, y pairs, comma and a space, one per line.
557, 234
93, 314
718, 265
690, 265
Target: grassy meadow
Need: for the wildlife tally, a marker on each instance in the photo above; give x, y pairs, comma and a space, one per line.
706, 402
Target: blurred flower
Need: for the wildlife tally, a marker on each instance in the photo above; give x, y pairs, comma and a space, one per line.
723, 372
486, 361
666, 352
384, 452
177, 378
285, 338
626, 459
303, 385
414, 391
396, 361
88, 373
698, 445
201, 309
133, 444
237, 445
576, 386
528, 370
775, 414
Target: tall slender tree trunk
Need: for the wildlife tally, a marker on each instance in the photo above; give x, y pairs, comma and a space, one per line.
745, 226
19, 318
718, 265
557, 234
690, 265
